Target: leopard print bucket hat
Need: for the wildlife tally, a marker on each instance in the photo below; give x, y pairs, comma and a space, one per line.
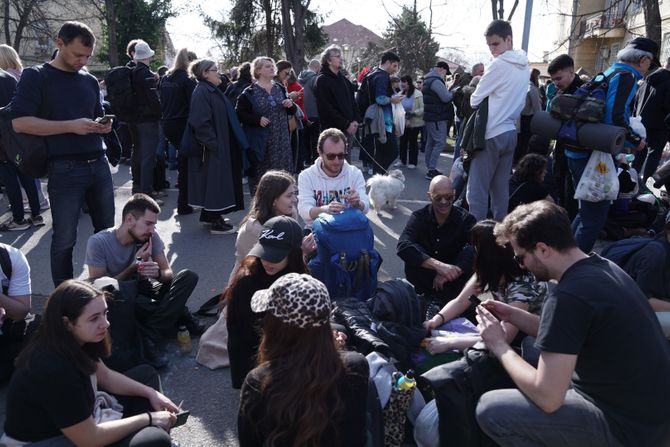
296, 299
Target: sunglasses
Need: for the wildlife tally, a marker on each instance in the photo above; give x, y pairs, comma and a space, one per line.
339, 156
443, 197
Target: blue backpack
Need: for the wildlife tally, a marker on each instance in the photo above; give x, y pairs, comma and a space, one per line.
621, 251
346, 260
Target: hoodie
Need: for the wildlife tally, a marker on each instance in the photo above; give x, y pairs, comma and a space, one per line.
505, 83
307, 79
653, 100
316, 188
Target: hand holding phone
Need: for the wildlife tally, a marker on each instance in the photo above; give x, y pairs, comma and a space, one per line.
182, 417
474, 300
104, 119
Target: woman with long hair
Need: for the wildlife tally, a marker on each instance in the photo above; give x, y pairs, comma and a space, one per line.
176, 88
215, 174
54, 395
276, 195
303, 391
412, 102
263, 109
496, 272
527, 182
276, 253
10, 61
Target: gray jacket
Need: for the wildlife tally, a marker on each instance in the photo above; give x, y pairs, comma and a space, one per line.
307, 79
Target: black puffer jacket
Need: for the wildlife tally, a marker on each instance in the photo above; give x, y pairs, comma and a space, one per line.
356, 316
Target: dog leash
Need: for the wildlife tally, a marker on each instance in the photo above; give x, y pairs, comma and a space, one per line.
371, 157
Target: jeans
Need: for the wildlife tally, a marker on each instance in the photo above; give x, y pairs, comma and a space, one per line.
591, 216
11, 176
145, 139
489, 174
71, 184
511, 419
436, 140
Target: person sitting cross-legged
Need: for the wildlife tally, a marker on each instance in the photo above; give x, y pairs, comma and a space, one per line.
133, 252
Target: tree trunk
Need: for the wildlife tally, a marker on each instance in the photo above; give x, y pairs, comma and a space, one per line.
299, 11
110, 17
8, 37
269, 37
287, 30
24, 16
652, 21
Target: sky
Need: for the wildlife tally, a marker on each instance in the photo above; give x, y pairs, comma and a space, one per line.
457, 24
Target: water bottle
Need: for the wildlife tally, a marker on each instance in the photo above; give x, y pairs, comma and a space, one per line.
184, 340
407, 381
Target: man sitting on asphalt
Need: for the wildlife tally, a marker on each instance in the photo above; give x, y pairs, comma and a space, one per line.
133, 254
330, 184
603, 376
435, 244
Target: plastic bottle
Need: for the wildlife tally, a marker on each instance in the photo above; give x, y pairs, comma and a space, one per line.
407, 381
184, 340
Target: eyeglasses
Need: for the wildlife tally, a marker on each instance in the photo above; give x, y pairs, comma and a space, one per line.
339, 156
443, 197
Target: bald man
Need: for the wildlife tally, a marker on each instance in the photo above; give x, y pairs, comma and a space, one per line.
435, 244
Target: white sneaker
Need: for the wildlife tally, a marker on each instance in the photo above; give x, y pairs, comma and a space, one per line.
411, 166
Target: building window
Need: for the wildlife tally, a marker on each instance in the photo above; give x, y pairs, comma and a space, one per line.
665, 48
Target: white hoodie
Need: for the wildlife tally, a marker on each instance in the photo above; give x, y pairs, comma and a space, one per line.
505, 83
316, 188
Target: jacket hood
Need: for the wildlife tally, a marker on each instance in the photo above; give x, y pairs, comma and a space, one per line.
432, 74
515, 57
305, 76
658, 77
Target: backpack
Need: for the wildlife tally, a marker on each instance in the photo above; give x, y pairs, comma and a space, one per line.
396, 300
586, 105
27, 152
121, 94
621, 251
346, 260
363, 95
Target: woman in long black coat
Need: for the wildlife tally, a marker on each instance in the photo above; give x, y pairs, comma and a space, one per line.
215, 172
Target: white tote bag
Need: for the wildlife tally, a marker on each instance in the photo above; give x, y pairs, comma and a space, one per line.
599, 181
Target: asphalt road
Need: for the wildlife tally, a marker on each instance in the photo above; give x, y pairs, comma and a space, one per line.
207, 394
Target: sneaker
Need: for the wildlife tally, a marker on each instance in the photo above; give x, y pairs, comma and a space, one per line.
411, 166
13, 225
398, 164
430, 174
221, 227
37, 221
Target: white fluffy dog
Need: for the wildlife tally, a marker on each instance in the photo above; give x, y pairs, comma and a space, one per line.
385, 189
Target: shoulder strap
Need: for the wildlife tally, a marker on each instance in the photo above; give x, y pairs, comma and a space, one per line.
44, 76
5, 262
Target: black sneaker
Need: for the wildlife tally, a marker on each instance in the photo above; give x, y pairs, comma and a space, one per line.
431, 173
14, 225
37, 221
193, 325
222, 227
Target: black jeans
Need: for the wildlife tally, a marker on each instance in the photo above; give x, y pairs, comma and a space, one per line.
160, 306
383, 154
174, 131
11, 176
408, 141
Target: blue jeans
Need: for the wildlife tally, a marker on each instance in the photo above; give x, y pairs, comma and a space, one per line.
591, 216
71, 183
11, 176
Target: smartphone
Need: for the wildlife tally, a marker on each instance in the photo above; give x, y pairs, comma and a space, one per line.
182, 417
474, 300
104, 119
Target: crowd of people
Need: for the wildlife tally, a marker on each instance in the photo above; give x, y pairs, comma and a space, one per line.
580, 340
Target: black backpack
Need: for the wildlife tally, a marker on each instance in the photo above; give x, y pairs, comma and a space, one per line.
27, 152
363, 95
121, 94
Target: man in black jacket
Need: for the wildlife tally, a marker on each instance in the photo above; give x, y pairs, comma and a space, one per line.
653, 105
435, 244
144, 128
565, 81
334, 96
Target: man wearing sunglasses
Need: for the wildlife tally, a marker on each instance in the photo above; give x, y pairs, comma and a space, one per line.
603, 376
331, 184
435, 244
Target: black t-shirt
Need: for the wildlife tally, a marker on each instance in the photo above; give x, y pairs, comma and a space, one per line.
69, 96
349, 429
525, 191
49, 395
598, 313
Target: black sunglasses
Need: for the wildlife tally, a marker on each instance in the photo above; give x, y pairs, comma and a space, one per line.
443, 197
339, 156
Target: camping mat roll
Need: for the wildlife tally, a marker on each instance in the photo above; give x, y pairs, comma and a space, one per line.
593, 136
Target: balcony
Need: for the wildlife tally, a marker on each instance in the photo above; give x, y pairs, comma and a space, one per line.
609, 26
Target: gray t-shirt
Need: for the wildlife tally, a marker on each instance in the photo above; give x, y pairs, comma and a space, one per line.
105, 250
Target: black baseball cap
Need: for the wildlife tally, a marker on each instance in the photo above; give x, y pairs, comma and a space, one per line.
648, 45
278, 236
